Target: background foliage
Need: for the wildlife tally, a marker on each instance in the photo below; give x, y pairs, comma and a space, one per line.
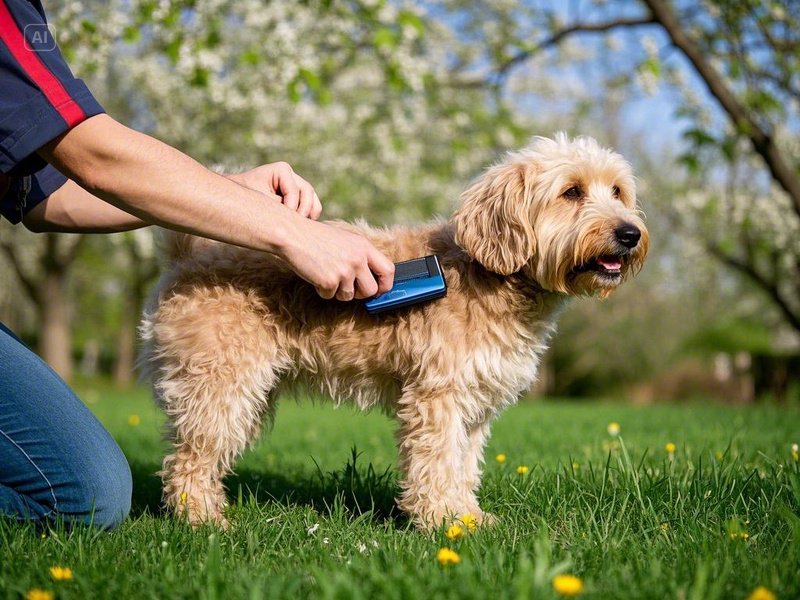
390, 107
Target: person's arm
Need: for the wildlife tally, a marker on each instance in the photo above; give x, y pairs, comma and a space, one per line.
280, 178
71, 209
160, 185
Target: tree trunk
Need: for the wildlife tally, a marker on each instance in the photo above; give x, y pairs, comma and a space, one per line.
126, 346
55, 339
142, 271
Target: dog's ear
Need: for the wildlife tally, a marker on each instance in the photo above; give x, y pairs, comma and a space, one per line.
493, 224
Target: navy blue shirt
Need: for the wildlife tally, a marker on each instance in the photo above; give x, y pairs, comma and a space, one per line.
40, 99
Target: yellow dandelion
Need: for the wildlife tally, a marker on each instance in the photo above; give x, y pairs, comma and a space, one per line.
610, 446
795, 452
184, 496
501, 458
522, 470
567, 585
761, 593
61, 573
39, 594
664, 527
670, 448
718, 455
739, 535
447, 557
575, 466
613, 429
134, 420
454, 532
470, 521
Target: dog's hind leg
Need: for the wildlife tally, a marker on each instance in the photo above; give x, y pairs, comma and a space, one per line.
216, 364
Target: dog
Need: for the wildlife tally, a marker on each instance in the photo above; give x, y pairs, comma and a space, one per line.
229, 328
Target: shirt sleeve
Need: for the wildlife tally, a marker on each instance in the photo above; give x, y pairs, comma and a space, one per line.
26, 191
41, 98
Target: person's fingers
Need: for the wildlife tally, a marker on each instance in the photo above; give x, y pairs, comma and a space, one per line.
383, 268
326, 292
287, 185
316, 210
345, 294
366, 286
306, 203
347, 283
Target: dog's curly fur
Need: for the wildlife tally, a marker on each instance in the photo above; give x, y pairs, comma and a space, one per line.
229, 328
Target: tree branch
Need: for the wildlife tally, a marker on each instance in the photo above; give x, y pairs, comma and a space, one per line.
71, 253
502, 70
558, 36
784, 83
27, 282
762, 141
771, 289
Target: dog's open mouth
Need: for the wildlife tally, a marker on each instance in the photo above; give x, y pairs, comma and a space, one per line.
609, 265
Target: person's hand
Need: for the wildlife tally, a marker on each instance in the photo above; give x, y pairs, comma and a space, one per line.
338, 263
279, 178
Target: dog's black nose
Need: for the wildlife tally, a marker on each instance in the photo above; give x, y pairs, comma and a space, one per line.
628, 235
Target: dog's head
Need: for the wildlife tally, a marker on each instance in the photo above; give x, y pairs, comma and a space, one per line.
563, 212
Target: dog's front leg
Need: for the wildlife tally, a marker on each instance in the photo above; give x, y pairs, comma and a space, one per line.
477, 436
432, 439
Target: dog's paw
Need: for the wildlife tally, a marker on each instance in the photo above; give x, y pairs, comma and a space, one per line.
474, 520
468, 521
199, 511
486, 519
197, 519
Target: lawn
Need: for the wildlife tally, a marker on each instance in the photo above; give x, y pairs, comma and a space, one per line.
715, 519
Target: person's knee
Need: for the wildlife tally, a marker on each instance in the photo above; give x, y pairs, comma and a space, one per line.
112, 501
105, 492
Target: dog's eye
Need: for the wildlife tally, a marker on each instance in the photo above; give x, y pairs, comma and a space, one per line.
615, 191
573, 193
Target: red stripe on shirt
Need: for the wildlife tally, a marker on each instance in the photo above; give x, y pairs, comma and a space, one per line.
37, 71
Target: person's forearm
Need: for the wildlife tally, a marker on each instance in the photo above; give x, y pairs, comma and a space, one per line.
71, 209
161, 185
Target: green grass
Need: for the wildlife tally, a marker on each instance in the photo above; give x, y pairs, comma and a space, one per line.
626, 519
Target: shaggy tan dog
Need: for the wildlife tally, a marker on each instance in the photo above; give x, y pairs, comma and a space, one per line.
230, 328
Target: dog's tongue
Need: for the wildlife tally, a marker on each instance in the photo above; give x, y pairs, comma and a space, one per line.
609, 263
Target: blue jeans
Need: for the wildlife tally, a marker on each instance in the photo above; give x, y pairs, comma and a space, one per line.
56, 459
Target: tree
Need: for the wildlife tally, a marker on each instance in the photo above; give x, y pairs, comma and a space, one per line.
42, 271
140, 269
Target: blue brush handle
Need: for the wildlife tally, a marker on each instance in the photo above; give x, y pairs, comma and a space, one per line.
418, 280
